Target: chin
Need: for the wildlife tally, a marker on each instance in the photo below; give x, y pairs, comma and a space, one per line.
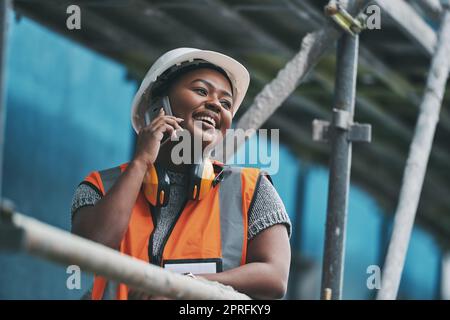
206, 136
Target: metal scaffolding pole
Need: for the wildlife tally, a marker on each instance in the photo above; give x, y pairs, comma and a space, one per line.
19, 232
339, 181
416, 164
341, 133
4, 5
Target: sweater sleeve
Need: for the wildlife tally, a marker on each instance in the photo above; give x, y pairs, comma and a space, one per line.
267, 210
85, 195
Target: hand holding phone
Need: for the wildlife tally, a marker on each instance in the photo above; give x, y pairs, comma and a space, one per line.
154, 110
156, 132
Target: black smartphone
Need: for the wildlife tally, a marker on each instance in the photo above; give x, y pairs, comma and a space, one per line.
153, 112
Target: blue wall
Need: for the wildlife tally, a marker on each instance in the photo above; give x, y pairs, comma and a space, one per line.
67, 114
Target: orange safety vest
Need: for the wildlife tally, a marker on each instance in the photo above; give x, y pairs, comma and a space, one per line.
213, 229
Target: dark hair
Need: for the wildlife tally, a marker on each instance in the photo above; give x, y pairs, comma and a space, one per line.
165, 81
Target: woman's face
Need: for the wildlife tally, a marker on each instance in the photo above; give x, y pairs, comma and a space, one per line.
203, 96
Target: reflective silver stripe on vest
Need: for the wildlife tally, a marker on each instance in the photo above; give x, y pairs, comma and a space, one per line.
109, 177
231, 224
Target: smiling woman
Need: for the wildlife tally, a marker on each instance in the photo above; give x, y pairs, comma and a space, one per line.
222, 223
202, 95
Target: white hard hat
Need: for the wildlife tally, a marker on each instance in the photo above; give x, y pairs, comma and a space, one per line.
237, 74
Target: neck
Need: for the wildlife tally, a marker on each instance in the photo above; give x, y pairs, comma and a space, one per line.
164, 158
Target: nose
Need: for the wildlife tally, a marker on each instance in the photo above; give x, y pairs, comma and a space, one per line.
214, 104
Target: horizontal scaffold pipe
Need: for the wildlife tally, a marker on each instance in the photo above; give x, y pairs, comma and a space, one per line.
51, 243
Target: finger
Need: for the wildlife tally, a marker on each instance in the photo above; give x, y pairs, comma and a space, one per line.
160, 114
175, 118
178, 120
169, 131
168, 120
174, 123
173, 134
163, 128
157, 123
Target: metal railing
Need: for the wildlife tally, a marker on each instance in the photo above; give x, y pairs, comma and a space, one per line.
21, 233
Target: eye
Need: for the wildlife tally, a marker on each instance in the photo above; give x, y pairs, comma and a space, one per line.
226, 104
201, 91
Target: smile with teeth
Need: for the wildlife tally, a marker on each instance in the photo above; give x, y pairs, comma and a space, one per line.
206, 119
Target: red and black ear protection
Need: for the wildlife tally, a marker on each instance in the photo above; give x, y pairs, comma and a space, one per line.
201, 179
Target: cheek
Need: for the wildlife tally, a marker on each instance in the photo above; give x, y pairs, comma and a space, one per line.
178, 107
226, 122
182, 104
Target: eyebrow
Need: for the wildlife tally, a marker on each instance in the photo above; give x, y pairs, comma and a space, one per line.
209, 84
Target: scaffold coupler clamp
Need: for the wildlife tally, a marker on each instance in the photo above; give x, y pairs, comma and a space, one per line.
356, 132
343, 19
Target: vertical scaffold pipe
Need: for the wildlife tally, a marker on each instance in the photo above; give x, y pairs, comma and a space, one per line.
341, 148
414, 173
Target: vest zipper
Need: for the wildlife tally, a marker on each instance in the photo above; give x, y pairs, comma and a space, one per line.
158, 258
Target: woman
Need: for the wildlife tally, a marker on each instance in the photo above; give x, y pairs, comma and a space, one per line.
221, 223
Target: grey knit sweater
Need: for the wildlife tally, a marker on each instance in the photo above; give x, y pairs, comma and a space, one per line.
268, 208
